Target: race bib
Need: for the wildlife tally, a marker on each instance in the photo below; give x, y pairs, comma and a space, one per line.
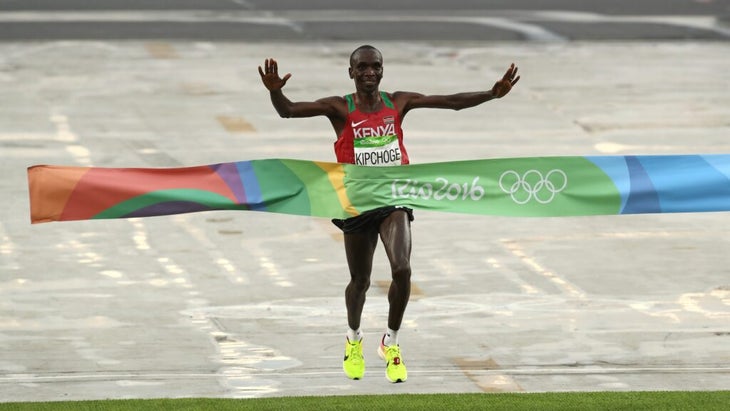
378, 151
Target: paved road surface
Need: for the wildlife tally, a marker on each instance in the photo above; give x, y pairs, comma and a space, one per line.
329, 20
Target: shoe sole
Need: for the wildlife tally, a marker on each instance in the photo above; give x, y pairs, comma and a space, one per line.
352, 378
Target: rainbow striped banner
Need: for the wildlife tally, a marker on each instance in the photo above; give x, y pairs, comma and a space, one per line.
521, 187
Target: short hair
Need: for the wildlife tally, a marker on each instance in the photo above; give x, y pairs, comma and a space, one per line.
364, 47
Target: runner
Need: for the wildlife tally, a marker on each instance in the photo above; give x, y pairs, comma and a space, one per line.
367, 124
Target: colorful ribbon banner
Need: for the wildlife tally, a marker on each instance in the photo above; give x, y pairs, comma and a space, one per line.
534, 187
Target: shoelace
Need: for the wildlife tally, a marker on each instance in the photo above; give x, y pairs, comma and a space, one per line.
353, 351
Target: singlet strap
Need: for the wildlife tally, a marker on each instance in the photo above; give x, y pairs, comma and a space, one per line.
350, 103
386, 100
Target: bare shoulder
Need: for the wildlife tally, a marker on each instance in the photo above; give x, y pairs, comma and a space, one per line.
333, 100
404, 96
405, 100
333, 106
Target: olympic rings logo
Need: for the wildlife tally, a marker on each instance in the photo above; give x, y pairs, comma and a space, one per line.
533, 185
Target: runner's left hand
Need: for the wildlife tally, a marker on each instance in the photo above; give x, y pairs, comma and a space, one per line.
503, 86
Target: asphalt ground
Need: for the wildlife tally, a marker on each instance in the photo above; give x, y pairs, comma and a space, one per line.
331, 20
615, 7
243, 304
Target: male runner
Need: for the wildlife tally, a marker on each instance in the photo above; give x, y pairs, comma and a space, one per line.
368, 128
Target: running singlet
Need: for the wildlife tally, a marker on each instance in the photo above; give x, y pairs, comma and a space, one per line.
371, 139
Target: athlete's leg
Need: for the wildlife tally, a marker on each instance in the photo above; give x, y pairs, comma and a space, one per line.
395, 232
359, 250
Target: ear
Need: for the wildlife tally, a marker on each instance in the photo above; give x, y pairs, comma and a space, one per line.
349, 71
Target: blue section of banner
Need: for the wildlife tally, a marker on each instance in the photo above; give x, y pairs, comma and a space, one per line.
251, 185
720, 162
642, 196
687, 183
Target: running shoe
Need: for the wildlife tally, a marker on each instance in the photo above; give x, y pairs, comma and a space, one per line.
354, 363
395, 369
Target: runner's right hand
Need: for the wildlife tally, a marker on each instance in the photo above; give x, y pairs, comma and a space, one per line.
270, 75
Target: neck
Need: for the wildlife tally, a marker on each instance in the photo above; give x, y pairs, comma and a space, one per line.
368, 101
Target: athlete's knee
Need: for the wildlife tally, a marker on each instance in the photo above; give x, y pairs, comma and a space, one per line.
401, 273
359, 284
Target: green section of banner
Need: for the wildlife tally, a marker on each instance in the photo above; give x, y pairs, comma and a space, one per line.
205, 198
283, 191
556, 186
323, 198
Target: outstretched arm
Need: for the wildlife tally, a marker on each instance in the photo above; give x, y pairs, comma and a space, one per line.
458, 101
285, 107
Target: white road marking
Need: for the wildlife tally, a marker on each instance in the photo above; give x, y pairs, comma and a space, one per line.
8, 251
446, 370
79, 153
226, 266
562, 284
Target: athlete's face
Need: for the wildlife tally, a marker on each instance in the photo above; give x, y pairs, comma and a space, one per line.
366, 68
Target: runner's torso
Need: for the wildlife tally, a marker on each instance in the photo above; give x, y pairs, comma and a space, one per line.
371, 139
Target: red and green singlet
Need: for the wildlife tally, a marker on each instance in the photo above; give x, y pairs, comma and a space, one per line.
371, 139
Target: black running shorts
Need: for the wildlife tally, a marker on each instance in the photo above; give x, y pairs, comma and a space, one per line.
369, 220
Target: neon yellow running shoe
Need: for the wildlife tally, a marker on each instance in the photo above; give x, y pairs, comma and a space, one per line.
354, 363
395, 369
